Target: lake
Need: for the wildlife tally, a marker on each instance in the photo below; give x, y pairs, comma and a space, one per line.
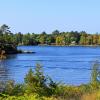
70, 65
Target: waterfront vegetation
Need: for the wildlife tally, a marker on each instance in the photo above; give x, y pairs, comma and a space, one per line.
9, 41
7, 46
38, 86
54, 38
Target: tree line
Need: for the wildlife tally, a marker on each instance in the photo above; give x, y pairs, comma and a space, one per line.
54, 38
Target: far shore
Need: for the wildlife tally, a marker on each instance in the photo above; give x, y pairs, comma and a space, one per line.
64, 45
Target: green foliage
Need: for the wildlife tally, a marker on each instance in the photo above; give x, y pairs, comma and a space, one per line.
7, 44
37, 86
10, 88
95, 75
24, 97
55, 38
37, 82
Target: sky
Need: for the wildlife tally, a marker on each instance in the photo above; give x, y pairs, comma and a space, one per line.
48, 15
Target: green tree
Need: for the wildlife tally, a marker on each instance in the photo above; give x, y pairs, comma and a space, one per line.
83, 38
37, 82
95, 75
95, 39
18, 38
42, 38
60, 40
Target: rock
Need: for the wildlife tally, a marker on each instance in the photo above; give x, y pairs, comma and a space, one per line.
20, 51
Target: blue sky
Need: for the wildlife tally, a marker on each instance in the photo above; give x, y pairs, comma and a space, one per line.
49, 15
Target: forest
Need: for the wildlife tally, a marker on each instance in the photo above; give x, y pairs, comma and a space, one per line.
55, 38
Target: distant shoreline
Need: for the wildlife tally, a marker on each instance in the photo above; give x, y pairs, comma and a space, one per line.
64, 45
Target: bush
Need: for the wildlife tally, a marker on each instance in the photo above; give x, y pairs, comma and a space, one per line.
37, 82
37, 86
10, 88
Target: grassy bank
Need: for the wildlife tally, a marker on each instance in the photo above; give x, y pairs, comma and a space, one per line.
37, 86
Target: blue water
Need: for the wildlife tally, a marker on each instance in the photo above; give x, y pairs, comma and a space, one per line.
70, 65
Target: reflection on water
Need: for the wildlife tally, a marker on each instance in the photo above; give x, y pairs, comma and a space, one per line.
12, 56
71, 65
4, 73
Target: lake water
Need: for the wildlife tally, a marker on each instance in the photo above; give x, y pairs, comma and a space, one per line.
70, 65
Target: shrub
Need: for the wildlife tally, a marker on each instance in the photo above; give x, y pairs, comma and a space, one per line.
37, 82
37, 86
